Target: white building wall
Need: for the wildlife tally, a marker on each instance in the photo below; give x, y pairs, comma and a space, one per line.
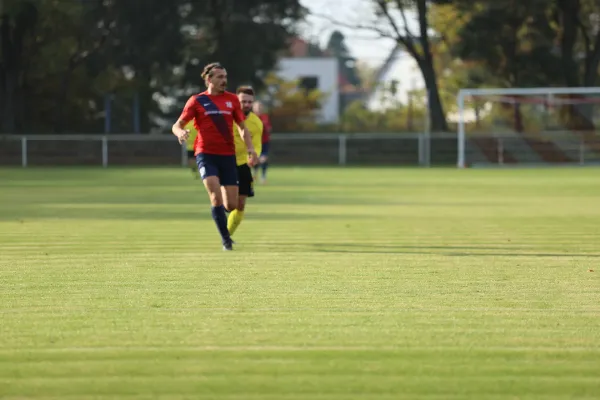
406, 72
326, 71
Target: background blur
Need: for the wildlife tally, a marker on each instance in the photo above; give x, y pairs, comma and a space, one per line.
374, 81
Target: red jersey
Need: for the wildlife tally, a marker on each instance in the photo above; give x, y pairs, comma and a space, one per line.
266, 136
213, 117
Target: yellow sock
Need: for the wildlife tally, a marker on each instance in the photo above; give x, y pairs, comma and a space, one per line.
234, 220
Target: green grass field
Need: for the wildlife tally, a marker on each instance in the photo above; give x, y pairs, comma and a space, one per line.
345, 284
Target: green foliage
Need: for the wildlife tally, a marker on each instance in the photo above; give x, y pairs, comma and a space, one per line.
524, 44
448, 20
512, 40
336, 47
505, 43
292, 109
295, 110
366, 74
246, 36
401, 118
392, 21
60, 58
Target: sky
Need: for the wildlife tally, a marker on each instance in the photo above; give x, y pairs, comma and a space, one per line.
365, 46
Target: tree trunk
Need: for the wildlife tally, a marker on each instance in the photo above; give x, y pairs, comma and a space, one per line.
592, 62
62, 99
12, 37
8, 101
518, 117
437, 117
570, 11
8, 76
577, 117
145, 99
218, 9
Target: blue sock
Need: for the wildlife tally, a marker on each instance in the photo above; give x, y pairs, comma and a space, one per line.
264, 169
218, 214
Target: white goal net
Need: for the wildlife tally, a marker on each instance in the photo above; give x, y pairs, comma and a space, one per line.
534, 126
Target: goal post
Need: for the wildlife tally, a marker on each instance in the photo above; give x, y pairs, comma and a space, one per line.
500, 126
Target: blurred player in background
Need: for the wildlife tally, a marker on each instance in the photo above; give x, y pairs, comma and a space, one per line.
266, 142
213, 112
246, 183
192, 133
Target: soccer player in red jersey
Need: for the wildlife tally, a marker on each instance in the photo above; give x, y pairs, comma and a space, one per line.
266, 142
213, 112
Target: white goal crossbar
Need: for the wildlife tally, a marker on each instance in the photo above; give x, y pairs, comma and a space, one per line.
465, 93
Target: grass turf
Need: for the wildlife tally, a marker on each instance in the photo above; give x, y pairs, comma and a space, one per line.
345, 284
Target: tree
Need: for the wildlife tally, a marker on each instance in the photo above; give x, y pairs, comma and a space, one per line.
336, 46
292, 109
512, 39
579, 32
15, 27
390, 20
447, 20
61, 58
418, 45
148, 43
81, 36
246, 36
366, 73
535, 43
358, 118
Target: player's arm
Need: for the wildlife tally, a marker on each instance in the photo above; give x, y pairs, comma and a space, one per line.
186, 116
257, 137
246, 137
179, 130
238, 117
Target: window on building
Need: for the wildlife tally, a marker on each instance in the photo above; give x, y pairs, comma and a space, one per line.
308, 83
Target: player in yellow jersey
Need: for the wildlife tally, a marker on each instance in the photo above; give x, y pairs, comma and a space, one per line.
245, 182
192, 132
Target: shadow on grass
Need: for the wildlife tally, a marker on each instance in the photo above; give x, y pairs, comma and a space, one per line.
465, 254
201, 213
450, 250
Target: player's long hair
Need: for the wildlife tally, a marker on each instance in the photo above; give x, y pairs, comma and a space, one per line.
209, 71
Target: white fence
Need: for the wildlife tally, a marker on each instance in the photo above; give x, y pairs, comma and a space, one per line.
311, 149
100, 142
295, 148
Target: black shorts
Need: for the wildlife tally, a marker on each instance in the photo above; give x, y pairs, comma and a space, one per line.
246, 183
223, 167
191, 155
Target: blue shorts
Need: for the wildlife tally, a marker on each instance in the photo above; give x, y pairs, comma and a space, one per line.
223, 167
265, 149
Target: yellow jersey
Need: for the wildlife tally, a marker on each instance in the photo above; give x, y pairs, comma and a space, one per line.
192, 135
255, 126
